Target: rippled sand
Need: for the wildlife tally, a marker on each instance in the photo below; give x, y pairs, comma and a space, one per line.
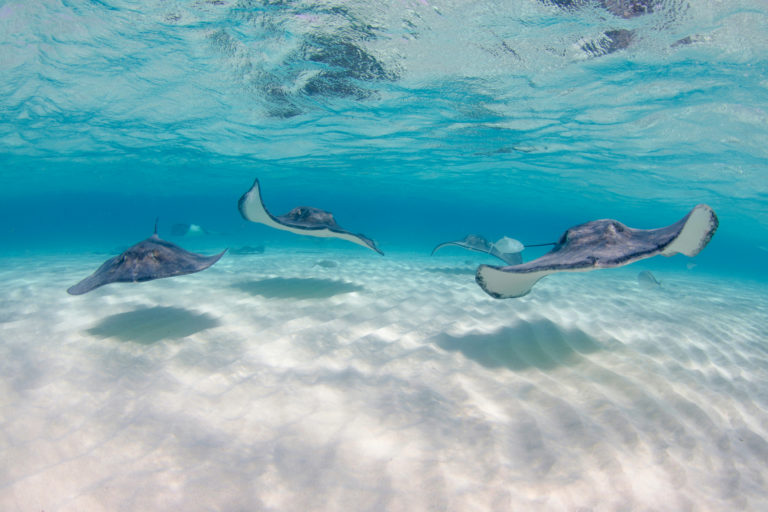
394, 383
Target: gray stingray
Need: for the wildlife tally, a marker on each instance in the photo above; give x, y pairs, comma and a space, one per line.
302, 220
599, 244
647, 280
149, 259
506, 249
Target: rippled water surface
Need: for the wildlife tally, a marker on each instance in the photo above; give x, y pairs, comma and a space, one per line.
536, 107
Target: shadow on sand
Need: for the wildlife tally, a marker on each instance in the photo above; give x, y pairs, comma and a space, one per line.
297, 288
455, 271
538, 344
150, 325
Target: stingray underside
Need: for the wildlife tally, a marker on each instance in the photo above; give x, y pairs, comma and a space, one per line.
599, 244
302, 220
150, 259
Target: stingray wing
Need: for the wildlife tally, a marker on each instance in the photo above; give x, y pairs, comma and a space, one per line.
602, 244
457, 244
150, 259
303, 220
471, 242
103, 275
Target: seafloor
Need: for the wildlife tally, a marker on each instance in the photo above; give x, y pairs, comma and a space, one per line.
368, 383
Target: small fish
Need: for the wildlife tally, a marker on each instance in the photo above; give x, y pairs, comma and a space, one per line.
647, 280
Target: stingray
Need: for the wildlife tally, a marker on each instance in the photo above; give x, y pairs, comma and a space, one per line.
600, 244
506, 249
149, 259
188, 230
302, 220
192, 230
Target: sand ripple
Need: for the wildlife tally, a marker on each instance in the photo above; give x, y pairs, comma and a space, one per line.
380, 384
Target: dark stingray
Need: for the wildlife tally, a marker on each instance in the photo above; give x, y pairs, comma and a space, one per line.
149, 259
302, 220
480, 244
599, 244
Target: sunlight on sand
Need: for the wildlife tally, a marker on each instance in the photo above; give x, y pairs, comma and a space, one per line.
379, 384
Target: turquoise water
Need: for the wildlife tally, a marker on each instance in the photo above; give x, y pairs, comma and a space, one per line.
412, 122
321, 376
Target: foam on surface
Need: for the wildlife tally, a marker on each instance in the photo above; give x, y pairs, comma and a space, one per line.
386, 388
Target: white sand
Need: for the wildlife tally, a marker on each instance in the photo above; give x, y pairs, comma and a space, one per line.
404, 389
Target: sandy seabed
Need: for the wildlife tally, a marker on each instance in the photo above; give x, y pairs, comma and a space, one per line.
367, 383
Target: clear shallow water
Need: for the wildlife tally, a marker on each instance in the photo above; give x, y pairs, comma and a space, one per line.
410, 114
415, 122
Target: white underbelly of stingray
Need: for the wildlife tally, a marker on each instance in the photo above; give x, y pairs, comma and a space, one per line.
510, 285
263, 217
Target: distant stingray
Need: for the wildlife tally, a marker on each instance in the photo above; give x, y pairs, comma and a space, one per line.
192, 230
647, 280
149, 259
188, 230
302, 220
599, 244
506, 249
